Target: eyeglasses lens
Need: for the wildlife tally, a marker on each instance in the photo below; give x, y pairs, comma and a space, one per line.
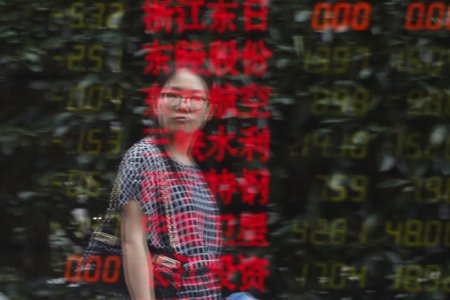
174, 100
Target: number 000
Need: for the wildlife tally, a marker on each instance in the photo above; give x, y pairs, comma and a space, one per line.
341, 16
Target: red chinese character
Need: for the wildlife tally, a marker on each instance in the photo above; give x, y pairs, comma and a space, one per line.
157, 15
151, 99
228, 229
252, 186
194, 15
224, 100
220, 144
208, 281
255, 98
157, 59
226, 270
254, 271
255, 142
223, 56
212, 180
227, 186
223, 19
255, 55
259, 15
164, 275
190, 55
199, 145
252, 230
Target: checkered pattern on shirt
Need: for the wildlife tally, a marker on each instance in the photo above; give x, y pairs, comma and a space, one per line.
195, 214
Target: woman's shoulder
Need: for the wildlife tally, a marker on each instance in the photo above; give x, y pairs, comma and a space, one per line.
143, 150
143, 147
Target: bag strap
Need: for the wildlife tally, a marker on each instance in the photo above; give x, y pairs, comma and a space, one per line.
109, 217
112, 210
174, 240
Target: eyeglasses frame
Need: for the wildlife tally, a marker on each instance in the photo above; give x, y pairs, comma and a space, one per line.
182, 97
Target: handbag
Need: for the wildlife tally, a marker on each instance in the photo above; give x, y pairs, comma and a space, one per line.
104, 247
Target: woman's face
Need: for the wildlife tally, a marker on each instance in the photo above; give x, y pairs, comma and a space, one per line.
180, 106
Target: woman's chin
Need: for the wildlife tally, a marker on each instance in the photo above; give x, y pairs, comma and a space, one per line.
183, 128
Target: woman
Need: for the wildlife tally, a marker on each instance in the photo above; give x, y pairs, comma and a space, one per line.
182, 109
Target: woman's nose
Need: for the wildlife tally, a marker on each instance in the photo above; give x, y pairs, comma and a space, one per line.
184, 105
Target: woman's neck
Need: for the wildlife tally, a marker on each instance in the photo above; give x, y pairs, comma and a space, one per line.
180, 145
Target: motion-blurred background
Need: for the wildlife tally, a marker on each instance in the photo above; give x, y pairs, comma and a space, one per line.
329, 153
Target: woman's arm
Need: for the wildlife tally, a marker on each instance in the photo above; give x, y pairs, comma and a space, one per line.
137, 262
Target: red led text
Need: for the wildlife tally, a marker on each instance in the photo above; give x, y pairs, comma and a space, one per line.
253, 271
341, 16
434, 16
106, 270
224, 57
245, 102
184, 15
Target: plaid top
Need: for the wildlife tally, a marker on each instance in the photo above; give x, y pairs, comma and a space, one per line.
194, 216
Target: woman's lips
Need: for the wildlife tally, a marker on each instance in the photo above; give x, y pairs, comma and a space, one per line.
181, 119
